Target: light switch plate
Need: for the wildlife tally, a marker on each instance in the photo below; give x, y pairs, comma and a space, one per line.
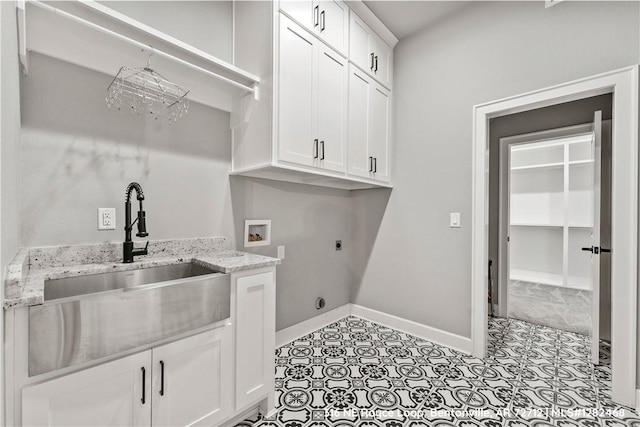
281, 252
106, 218
454, 220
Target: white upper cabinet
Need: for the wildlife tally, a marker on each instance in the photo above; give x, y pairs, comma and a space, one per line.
369, 52
312, 126
332, 110
328, 128
369, 125
297, 137
328, 19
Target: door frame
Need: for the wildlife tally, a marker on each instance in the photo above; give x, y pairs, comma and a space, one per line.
623, 83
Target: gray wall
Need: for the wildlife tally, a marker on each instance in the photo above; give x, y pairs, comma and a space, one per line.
207, 25
9, 135
78, 156
418, 267
307, 220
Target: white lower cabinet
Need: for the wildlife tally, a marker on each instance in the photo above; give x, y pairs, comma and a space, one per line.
255, 338
186, 382
192, 379
107, 395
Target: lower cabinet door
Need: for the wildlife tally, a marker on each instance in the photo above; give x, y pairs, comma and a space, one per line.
192, 380
255, 337
113, 394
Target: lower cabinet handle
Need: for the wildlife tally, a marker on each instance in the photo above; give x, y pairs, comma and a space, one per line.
161, 378
144, 382
315, 148
375, 164
315, 16
371, 68
322, 145
376, 68
322, 21
370, 164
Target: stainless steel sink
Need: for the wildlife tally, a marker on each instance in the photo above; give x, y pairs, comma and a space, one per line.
88, 284
91, 317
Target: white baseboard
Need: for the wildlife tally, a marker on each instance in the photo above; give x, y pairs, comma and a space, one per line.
286, 335
638, 402
428, 333
437, 336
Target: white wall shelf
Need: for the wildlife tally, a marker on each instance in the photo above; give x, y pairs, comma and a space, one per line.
531, 224
96, 37
540, 166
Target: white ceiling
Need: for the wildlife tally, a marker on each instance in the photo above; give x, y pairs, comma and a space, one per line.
404, 18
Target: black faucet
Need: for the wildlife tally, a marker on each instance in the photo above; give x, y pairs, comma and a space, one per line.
128, 252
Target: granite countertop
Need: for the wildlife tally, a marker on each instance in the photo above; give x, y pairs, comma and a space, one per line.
26, 274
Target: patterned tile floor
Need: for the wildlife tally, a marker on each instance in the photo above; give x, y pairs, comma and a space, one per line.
357, 373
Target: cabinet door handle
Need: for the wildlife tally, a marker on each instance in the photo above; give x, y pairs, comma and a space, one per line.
322, 145
315, 148
371, 68
376, 68
161, 378
315, 16
322, 21
375, 164
370, 164
144, 383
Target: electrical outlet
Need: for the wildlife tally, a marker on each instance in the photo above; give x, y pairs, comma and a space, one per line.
106, 218
281, 252
338, 245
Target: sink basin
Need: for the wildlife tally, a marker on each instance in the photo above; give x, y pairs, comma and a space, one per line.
95, 316
88, 284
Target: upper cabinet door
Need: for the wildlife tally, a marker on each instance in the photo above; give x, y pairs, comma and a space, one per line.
327, 19
332, 110
359, 52
379, 119
382, 59
302, 11
297, 131
112, 394
333, 24
192, 379
369, 52
360, 162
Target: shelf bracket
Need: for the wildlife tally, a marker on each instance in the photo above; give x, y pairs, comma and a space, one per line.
243, 107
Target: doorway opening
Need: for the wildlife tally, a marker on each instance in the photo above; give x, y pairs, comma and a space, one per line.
554, 209
622, 85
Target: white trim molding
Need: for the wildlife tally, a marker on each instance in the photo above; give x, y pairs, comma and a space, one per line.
623, 84
293, 332
419, 330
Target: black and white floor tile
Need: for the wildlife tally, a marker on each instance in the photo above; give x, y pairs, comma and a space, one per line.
356, 373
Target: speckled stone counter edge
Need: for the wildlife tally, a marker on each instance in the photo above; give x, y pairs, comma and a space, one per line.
24, 286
